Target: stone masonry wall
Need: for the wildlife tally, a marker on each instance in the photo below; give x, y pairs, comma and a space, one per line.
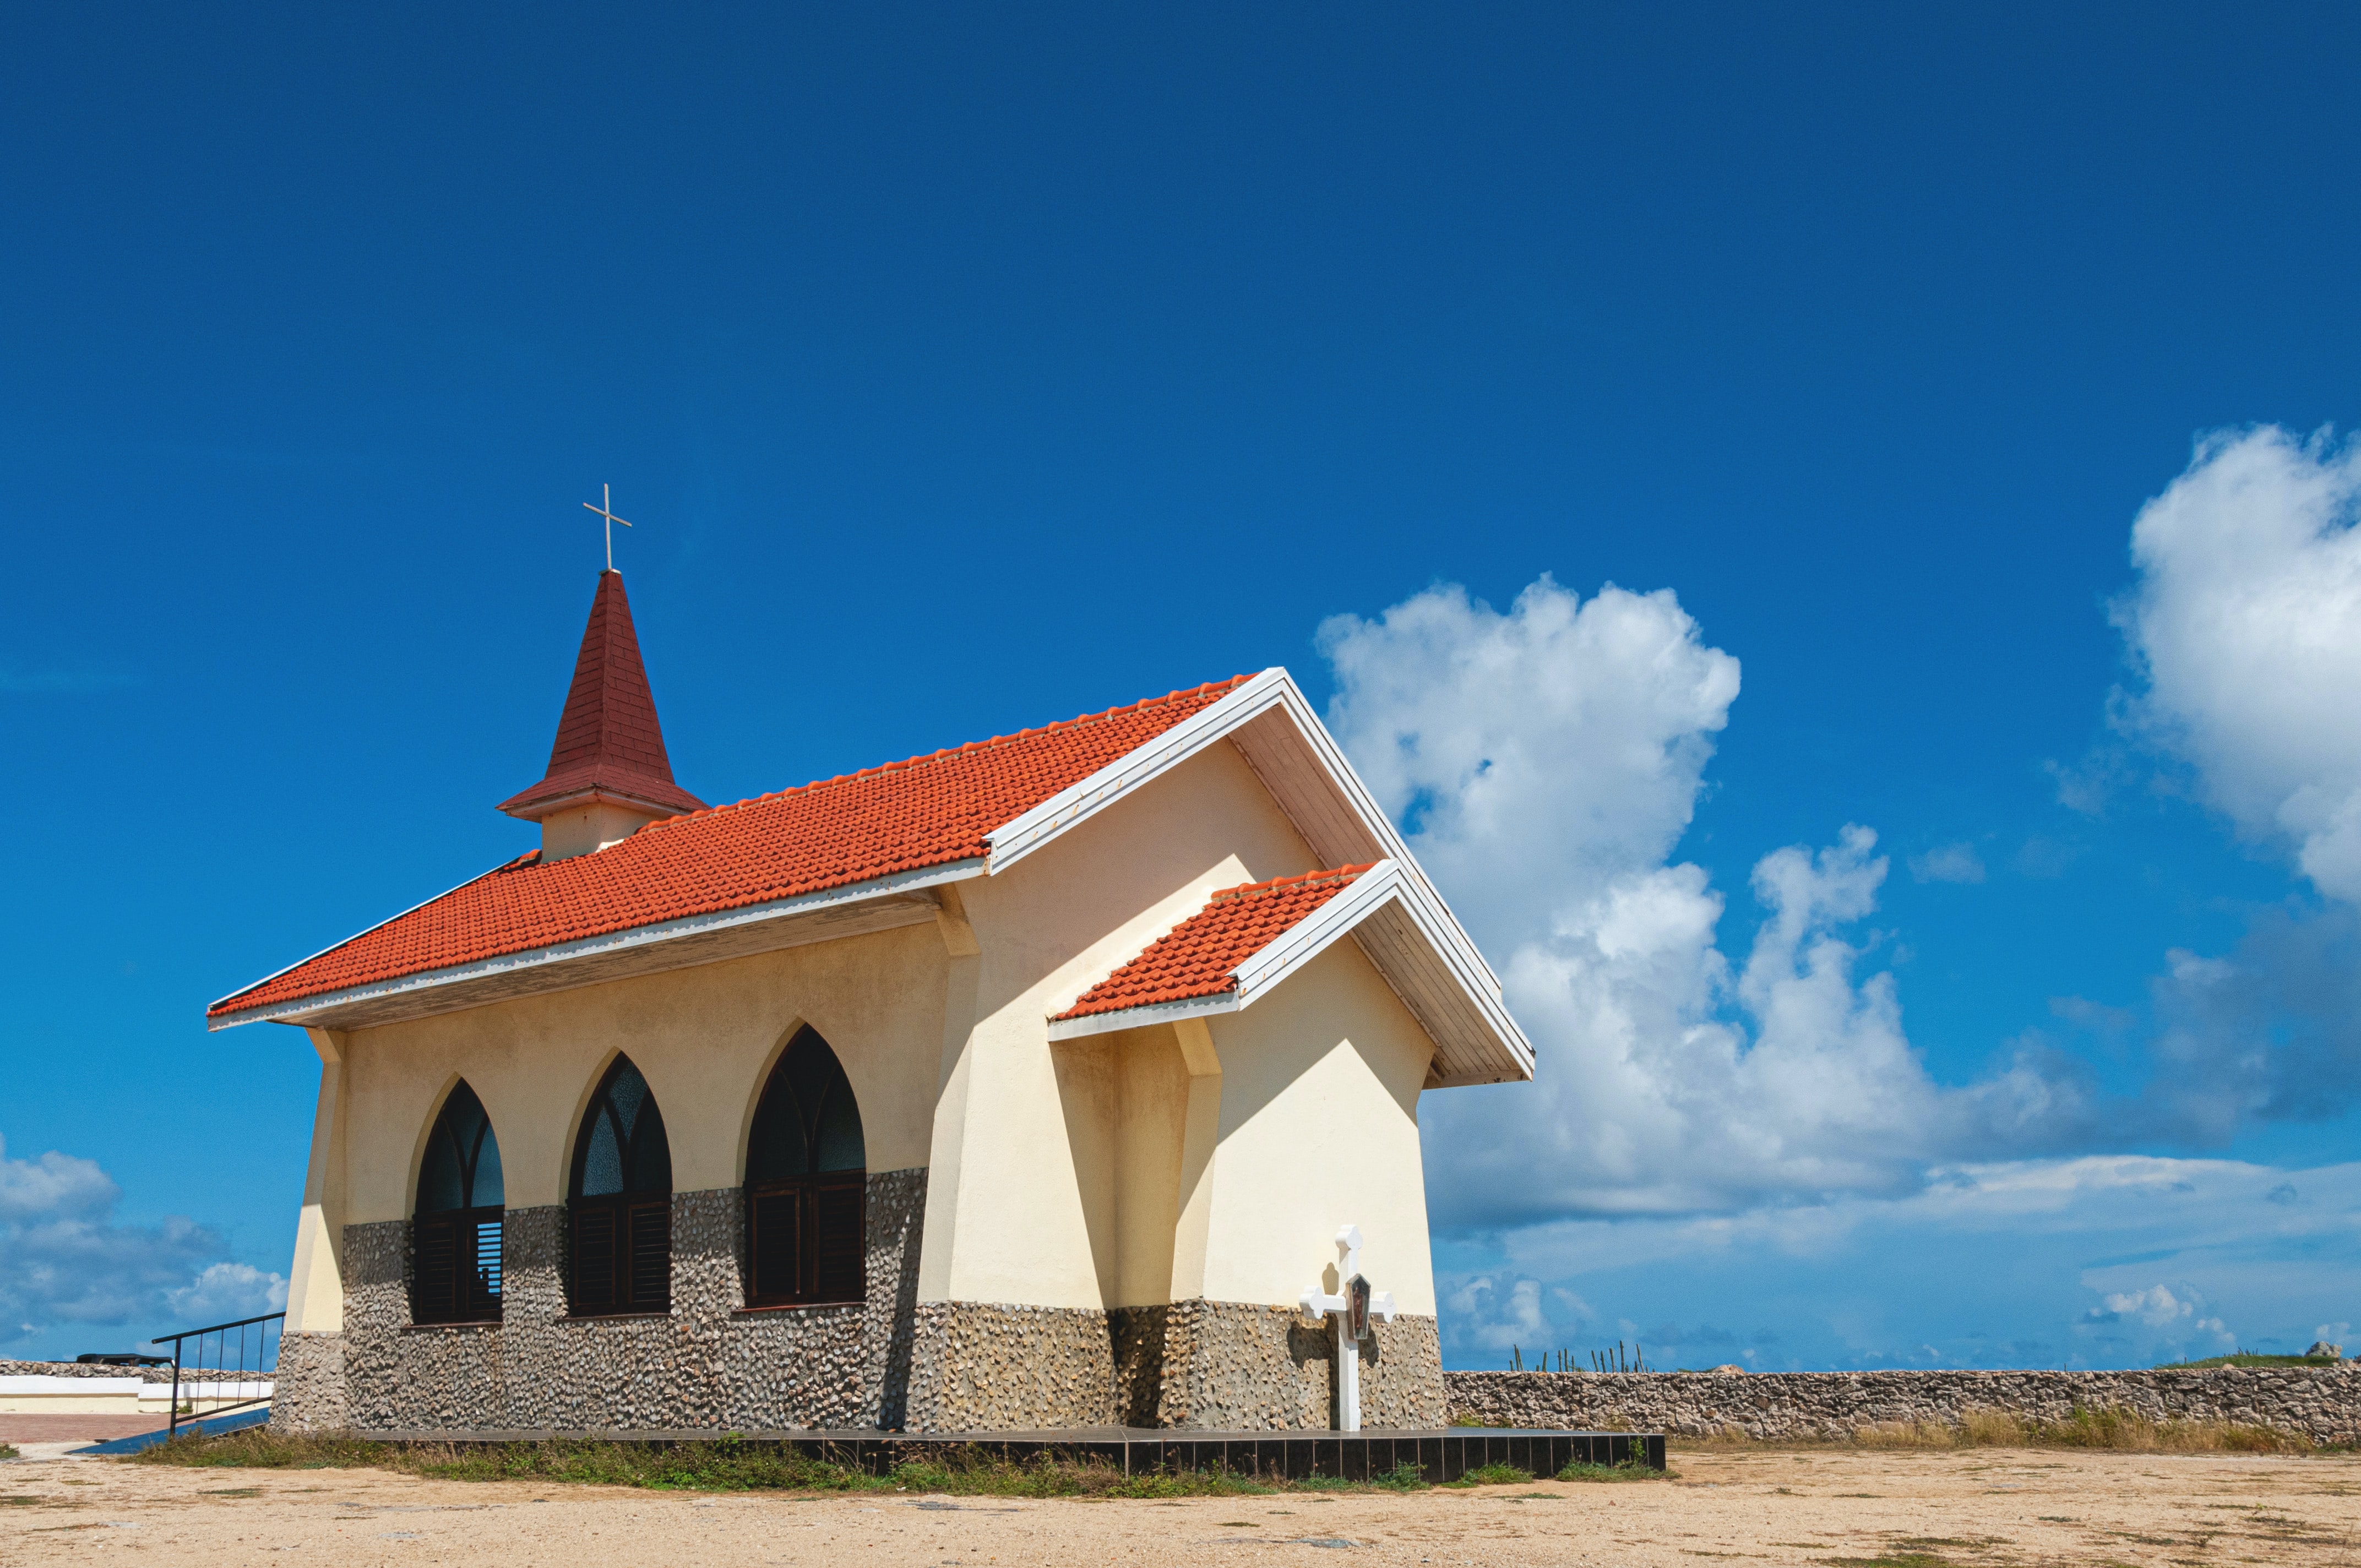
1235, 1367
2324, 1403
986, 1368
308, 1389
708, 1363
1190, 1365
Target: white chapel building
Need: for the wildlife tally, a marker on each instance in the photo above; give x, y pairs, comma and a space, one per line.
1021, 1085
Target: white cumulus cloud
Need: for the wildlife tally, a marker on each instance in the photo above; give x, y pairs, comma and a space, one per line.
2246, 621
1545, 761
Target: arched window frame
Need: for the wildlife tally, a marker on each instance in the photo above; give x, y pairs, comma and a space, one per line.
454, 1275
619, 1256
806, 1231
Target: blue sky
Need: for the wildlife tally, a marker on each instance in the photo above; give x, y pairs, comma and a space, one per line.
969, 369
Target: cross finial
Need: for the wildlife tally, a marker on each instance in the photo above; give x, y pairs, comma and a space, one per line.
1349, 1240
604, 508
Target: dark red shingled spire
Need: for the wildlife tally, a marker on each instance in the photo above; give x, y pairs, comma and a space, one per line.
608, 745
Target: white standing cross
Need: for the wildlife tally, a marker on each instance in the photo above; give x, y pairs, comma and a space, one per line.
606, 510
1352, 1307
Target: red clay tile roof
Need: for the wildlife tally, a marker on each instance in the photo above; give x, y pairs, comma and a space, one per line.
607, 738
926, 811
1200, 957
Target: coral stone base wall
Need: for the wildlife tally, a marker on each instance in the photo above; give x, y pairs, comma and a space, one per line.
308, 1389
708, 1363
1239, 1367
2324, 1403
984, 1367
1190, 1365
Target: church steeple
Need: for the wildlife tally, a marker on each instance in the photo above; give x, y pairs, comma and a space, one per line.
609, 776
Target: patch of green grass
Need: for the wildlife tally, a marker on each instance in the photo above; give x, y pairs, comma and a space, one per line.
1463, 1420
8, 1450
731, 1465
1494, 1475
1627, 1470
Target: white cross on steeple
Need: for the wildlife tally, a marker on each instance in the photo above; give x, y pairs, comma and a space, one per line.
607, 501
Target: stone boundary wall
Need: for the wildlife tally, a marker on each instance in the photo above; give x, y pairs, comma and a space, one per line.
2323, 1403
145, 1374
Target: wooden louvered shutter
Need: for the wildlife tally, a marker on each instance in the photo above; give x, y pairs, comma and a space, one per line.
434, 1271
482, 1285
594, 1260
775, 1219
651, 1256
838, 1248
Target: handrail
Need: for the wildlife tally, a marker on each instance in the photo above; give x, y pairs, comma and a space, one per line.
265, 1360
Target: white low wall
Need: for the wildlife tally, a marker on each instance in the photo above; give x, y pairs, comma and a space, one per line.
50, 1394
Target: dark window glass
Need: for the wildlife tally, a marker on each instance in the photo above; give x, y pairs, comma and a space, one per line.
807, 1180
455, 1235
620, 1208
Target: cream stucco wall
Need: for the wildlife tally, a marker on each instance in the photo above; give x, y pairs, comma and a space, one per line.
1008, 1207
1319, 1129
705, 1037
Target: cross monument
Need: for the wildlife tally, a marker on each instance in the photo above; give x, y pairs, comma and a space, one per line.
1351, 1307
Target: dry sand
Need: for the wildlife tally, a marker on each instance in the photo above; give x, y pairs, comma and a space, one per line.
1988, 1506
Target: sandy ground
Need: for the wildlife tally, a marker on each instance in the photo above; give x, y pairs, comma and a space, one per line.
1978, 1507
17, 1429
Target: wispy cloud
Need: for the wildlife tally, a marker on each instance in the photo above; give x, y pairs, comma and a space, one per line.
1948, 862
2104, 1260
67, 1267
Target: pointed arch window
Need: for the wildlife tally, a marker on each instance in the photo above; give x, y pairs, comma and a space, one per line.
620, 1204
456, 1232
806, 1180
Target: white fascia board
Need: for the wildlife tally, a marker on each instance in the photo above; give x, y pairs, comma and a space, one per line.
212, 1023
1137, 1017
1020, 836
1437, 924
1388, 881
1289, 951
1304, 941
296, 1010
1013, 840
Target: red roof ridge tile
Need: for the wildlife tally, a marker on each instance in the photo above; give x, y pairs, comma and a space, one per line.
1182, 694
1303, 879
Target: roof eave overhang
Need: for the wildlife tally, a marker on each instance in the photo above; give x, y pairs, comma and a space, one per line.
534, 809
1405, 938
877, 904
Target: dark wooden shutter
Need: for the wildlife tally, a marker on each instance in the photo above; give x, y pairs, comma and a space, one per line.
838, 1251
593, 1260
434, 1271
651, 1256
776, 1219
482, 1303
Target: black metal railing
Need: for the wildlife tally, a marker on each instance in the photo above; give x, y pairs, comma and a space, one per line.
230, 1373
